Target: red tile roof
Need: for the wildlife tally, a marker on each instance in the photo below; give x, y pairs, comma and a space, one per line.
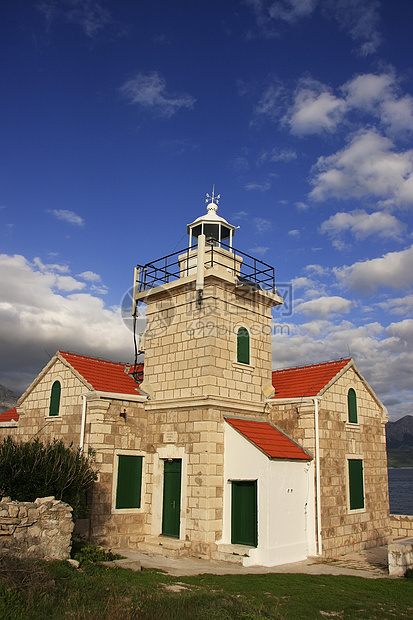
305, 380
8, 416
102, 375
270, 440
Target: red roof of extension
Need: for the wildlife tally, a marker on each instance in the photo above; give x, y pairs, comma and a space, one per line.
9, 416
269, 439
102, 375
305, 381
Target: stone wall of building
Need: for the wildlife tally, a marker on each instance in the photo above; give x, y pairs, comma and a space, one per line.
108, 433
192, 434
40, 529
191, 351
402, 526
8, 429
34, 414
345, 530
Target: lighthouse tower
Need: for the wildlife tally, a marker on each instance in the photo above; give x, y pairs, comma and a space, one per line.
208, 331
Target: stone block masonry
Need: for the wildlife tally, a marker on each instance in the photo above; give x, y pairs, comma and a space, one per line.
41, 529
402, 526
400, 557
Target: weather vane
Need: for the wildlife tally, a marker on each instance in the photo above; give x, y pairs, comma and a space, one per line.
212, 200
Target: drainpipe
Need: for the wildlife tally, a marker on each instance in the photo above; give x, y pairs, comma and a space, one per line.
83, 423
317, 474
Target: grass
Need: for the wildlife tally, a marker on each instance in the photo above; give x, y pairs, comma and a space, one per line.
56, 590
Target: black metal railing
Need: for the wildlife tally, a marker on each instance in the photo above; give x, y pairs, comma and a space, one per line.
250, 271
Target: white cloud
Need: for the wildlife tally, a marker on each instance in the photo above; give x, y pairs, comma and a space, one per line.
68, 284
150, 91
325, 306
361, 224
383, 355
90, 276
301, 282
67, 216
239, 215
368, 167
294, 233
259, 249
302, 206
37, 315
275, 155
398, 305
359, 18
316, 269
272, 100
394, 270
262, 187
315, 109
380, 95
50, 266
403, 331
398, 114
262, 225
90, 15
367, 90
291, 10
324, 340
240, 164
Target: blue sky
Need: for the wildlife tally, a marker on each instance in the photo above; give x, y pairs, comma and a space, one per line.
118, 117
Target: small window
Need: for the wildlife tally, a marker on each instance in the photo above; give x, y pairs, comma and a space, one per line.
129, 483
55, 399
352, 406
243, 346
356, 486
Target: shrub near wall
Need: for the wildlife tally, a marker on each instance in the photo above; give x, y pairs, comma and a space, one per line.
32, 469
41, 529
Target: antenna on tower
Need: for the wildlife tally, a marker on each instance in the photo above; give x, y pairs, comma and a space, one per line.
212, 199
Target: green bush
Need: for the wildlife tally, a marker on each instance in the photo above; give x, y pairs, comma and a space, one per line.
32, 469
86, 552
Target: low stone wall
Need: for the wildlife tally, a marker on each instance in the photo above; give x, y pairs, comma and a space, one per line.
40, 529
400, 557
402, 526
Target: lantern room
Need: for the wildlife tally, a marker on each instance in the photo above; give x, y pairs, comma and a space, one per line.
215, 228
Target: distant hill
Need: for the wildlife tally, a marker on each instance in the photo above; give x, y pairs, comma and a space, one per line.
8, 398
399, 441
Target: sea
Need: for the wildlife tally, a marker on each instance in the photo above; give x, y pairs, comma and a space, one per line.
401, 490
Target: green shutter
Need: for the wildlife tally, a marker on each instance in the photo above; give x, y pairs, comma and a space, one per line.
55, 399
352, 406
355, 476
128, 490
243, 346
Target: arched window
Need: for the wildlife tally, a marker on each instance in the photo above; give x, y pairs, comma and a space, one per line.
55, 399
243, 346
352, 406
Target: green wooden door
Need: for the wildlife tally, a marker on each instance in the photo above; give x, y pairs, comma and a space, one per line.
244, 515
171, 498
